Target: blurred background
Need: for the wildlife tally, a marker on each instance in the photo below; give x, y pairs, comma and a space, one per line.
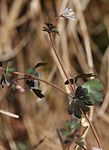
83, 46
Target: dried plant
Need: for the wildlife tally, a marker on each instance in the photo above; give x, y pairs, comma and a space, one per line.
83, 92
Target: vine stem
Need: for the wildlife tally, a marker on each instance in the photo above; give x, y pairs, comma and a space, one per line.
50, 36
94, 131
36, 78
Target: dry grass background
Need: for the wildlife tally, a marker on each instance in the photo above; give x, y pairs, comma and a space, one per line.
82, 46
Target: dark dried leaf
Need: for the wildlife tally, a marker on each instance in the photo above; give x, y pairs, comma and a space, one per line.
2, 81
85, 75
45, 29
35, 84
83, 107
0, 64
80, 92
38, 93
74, 80
77, 108
50, 28
86, 95
74, 108
30, 83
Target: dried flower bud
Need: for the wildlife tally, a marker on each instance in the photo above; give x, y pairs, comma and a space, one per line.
20, 89
68, 13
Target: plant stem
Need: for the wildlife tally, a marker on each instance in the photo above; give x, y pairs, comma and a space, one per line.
60, 89
93, 130
50, 36
39, 143
36, 78
80, 145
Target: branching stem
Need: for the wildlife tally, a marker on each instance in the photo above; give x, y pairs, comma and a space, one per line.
36, 78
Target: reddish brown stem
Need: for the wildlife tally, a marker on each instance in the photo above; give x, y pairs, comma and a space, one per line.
36, 78
50, 36
94, 131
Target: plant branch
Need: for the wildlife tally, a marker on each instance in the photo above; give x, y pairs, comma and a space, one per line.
93, 130
36, 78
50, 36
39, 143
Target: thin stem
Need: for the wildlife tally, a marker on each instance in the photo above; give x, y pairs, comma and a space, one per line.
60, 63
36, 78
39, 143
94, 131
80, 145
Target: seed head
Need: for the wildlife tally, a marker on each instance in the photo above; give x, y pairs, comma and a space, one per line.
68, 13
